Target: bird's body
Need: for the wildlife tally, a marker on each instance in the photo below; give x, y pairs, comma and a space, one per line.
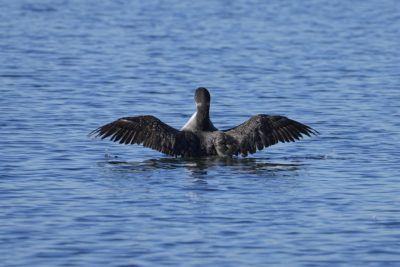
199, 137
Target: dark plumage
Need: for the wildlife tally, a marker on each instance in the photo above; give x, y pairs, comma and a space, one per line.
199, 137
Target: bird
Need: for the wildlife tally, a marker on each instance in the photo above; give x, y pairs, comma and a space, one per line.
199, 137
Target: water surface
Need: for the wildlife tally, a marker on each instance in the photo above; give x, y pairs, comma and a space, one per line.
68, 67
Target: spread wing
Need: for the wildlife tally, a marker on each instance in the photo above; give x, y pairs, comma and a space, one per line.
152, 133
262, 131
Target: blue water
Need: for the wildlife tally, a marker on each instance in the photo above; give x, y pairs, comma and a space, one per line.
67, 67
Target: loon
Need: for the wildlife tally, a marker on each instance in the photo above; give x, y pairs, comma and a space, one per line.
199, 137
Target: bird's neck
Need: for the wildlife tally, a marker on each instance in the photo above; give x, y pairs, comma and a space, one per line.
203, 110
200, 120
203, 117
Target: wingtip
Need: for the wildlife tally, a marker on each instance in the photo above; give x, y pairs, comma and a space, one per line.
311, 131
93, 134
314, 132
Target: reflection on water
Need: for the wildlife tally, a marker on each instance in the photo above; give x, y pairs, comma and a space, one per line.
199, 166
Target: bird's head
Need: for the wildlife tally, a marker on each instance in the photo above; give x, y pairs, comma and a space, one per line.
202, 97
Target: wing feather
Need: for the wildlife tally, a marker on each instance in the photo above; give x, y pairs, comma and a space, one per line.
262, 131
150, 132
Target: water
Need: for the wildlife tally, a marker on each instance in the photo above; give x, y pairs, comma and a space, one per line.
68, 67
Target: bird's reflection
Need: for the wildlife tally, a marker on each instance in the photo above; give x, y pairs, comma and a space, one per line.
200, 167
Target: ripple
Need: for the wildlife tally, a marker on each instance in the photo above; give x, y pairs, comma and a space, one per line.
68, 67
